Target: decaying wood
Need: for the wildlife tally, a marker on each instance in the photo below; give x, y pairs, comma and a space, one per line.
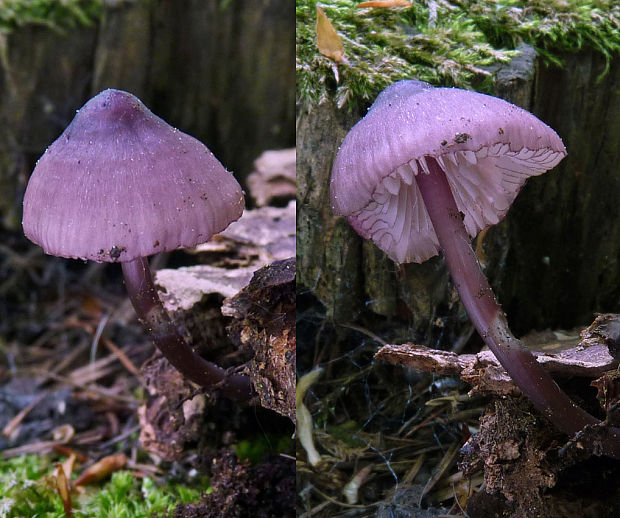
521, 456
185, 287
194, 294
260, 311
508, 449
524, 462
605, 328
561, 354
264, 322
273, 179
260, 237
172, 417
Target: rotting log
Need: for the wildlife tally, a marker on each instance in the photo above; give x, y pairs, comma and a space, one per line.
557, 244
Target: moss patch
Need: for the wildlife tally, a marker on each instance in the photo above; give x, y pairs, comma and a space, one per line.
26, 489
51, 13
453, 43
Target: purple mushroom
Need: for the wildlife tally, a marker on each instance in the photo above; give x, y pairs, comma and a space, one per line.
121, 184
428, 168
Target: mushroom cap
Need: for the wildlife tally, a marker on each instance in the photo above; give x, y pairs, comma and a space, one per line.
121, 183
486, 146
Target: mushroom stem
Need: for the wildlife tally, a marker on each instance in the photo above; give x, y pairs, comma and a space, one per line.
169, 341
488, 318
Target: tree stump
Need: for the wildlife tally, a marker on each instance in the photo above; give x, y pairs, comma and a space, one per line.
553, 261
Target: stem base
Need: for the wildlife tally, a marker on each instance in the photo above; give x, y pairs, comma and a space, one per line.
165, 335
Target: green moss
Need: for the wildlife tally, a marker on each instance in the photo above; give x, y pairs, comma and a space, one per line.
255, 450
127, 497
23, 493
26, 490
456, 47
51, 13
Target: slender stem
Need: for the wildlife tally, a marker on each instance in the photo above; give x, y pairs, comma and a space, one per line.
488, 318
169, 341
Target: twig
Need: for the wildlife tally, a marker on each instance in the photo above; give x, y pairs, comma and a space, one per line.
10, 427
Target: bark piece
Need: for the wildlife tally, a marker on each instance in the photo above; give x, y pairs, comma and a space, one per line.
605, 328
259, 237
264, 322
185, 287
194, 294
559, 353
273, 179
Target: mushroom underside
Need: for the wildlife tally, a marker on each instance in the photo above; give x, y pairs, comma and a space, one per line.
484, 184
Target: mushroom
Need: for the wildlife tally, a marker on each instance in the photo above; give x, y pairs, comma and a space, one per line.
121, 184
428, 168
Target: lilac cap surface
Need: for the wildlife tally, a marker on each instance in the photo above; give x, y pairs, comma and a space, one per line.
486, 146
120, 183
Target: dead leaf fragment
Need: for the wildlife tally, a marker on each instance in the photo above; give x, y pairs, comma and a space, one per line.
62, 484
384, 3
328, 40
101, 469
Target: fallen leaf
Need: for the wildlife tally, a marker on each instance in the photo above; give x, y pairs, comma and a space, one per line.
328, 40
384, 3
101, 469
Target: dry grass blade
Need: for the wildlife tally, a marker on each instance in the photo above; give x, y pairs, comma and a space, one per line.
414, 470
93, 371
445, 464
122, 357
39, 447
12, 425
